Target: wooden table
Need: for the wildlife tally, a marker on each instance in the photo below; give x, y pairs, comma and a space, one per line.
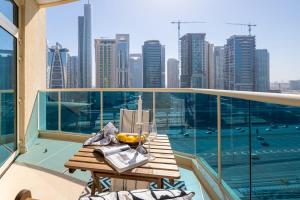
163, 166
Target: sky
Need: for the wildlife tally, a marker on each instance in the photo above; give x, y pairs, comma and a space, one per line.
278, 25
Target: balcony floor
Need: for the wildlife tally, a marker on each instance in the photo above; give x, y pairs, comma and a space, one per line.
43, 165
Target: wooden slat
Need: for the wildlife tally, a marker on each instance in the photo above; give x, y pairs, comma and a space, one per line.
158, 147
157, 155
147, 172
151, 165
159, 143
163, 151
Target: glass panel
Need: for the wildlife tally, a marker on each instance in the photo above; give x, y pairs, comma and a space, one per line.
207, 129
114, 101
235, 145
175, 116
276, 144
7, 95
48, 111
80, 112
10, 10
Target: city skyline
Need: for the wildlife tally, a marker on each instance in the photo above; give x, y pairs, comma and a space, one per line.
197, 67
286, 39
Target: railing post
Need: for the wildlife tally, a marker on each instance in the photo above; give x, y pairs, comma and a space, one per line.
59, 111
101, 109
154, 107
219, 141
0, 113
38, 108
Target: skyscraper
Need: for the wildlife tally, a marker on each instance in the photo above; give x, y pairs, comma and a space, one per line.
57, 62
136, 71
262, 70
163, 66
193, 61
84, 75
219, 66
173, 73
153, 60
72, 67
105, 57
239, 70
122, 60
209, 78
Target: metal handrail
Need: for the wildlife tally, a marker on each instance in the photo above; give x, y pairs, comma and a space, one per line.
275, 98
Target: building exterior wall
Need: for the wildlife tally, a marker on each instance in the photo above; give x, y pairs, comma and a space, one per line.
152, 64
163, 66
32, 77
219, 66
193, 61
58, 59
210, 66
262, 70
105, 58
85, 48
239, 71
72, 71
136, 71
122, 61
173, 73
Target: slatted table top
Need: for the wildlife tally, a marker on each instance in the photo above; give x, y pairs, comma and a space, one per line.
163, 166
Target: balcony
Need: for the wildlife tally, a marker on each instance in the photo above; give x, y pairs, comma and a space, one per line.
239, 145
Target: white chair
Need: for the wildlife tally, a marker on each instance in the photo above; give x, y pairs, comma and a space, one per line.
128, 120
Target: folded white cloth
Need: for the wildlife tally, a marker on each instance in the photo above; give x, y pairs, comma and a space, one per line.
103, 137
143, 194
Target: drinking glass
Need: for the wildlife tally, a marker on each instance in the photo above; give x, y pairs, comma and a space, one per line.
152, 130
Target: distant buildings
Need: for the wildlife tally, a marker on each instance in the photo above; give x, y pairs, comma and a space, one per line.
84, 75
122, 60
294, 85
136, 71
105, 59
57, 66
239, 69
7, 78
219, 66
173, 73
153, 64
209, 67
72, 67
193, 61
262, 70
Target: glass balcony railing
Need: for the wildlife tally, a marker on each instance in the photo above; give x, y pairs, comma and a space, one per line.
248, 142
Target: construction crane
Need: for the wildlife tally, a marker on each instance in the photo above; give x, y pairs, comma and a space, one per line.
179, 35
249, 26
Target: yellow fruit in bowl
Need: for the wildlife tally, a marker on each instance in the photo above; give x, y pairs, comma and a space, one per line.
130, 138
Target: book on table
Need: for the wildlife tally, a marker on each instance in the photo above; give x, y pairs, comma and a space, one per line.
122, 157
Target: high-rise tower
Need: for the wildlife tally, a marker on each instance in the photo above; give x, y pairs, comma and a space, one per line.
193, 71
84, 75
153, 59
57, 64
239, 70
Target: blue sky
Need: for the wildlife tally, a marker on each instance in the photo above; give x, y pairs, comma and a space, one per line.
278, 25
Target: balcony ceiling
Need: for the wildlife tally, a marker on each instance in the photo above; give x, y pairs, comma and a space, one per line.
48, 3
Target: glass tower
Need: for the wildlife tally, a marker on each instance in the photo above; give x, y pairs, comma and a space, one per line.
84, 75
152, 64
239, 69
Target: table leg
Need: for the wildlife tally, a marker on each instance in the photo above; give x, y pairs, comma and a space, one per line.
171, 181
160, 184
96, 184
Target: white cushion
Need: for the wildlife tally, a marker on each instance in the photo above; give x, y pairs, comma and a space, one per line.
143, 194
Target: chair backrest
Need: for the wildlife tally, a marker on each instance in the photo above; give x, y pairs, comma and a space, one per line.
128, 120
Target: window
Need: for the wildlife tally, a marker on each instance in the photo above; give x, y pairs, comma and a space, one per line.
7, 95
9, 9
